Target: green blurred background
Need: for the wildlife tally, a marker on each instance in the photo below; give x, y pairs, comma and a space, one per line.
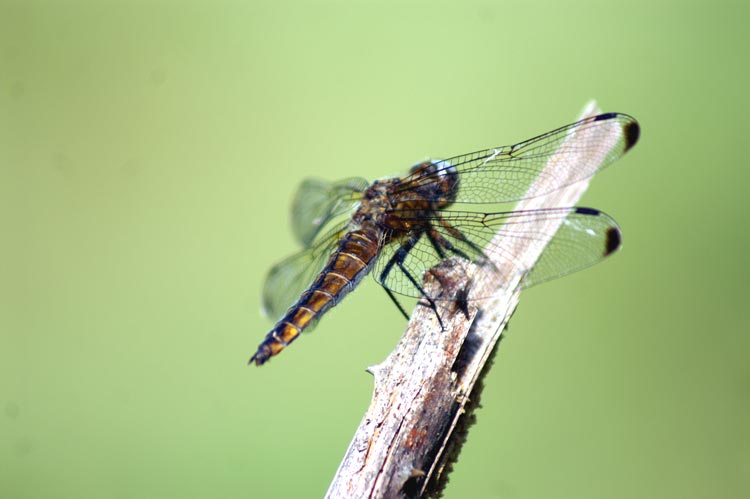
148, 153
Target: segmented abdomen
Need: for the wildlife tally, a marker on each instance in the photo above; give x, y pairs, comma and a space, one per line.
351, 261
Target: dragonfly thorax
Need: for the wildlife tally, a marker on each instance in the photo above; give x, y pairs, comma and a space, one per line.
376, 203
400, 205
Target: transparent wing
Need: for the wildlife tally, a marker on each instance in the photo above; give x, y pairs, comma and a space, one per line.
504, 174
288, 279
585, 237
318, 201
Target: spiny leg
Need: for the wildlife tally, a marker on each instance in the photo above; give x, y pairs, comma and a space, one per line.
398, 304
483, 258
435, 242
398, 259
438, 241
387, 270
461, 237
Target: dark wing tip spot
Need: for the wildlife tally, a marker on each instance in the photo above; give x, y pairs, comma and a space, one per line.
587, 211
631, 132
613, 241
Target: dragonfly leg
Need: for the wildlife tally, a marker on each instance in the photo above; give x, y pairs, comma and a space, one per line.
438, 241
395, 301
398, 260
437, 245
482, 257
460, 236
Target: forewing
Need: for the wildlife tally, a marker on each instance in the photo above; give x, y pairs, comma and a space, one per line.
585, 236
318, 201
506, 173
287, 279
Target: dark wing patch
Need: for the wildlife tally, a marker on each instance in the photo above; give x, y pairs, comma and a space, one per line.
613, 241
583, 239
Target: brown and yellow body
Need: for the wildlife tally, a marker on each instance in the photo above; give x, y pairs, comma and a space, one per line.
351, 261
399, 227
375, 223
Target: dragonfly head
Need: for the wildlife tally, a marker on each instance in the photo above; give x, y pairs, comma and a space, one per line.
439, 177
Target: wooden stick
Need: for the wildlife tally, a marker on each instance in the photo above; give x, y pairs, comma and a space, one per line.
427, 388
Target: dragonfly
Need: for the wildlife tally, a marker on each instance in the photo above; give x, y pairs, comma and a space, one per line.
398, 228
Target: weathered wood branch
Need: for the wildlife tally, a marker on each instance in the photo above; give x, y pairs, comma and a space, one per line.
427, 388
